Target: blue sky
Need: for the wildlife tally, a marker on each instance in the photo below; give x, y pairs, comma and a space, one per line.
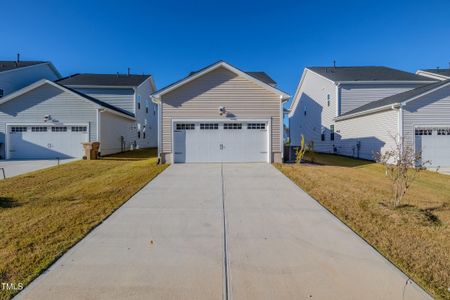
171, 38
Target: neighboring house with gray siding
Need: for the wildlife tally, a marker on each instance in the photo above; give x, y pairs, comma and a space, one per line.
221, 114
46, 120
326, 93
129, 92
419, 119
17, 74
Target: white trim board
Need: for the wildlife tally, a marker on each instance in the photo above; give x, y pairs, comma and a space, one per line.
283, 96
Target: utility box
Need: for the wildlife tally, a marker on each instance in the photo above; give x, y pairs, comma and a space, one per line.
91, 150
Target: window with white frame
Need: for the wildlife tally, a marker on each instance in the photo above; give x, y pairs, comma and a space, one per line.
146, 106
79, 128
256, 126
39, 129
232, 126
443, 131
424, 131
209, 126
138, 101
18, 129
59, 129
328, 99
185, 126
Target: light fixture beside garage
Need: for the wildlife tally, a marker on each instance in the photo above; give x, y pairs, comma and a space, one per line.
47, 118
222, 110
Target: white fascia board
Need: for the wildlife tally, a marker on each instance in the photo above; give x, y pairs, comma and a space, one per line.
386, 82
283, 95
297, 93
432, 75
368, 112
23, 90
425, 93
54, 69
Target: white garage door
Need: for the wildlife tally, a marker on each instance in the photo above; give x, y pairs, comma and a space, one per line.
46, 142
220, 142
434, 144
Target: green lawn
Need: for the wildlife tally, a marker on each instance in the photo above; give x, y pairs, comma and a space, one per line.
44, 213
415, 237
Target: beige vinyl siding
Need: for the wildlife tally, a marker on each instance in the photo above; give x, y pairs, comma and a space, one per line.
202, 97
375, 132
313, 97
431, 110
356, 95
122, 98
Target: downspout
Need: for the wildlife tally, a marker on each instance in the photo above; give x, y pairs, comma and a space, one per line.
99, 120
400, 127
338, 105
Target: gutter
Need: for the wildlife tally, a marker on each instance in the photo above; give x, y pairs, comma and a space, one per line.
368, 112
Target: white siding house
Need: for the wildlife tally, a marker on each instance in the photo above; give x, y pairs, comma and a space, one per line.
418, 119
15, 75
46, 120
221, 114
324, 94
128, 92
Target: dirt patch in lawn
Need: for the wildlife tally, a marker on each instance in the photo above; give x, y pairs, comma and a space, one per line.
44, 213
415, 236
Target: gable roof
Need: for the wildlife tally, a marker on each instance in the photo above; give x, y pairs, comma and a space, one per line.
393, 100
11, 65
114, 80
366, 73
263, 76
64, 88
194, 75
6, 65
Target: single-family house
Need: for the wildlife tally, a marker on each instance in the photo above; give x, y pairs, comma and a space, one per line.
221, 114
17, 74
51, 119
328, 98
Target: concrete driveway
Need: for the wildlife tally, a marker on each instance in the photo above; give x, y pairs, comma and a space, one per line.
237, 231
17, 167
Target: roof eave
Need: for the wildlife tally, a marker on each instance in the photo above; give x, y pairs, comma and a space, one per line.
283, 96
368, 112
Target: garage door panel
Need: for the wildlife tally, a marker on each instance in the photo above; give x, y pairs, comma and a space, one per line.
434, 146
47, 144
220, 142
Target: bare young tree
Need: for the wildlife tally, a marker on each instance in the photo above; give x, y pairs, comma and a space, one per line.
402, 165
300, 151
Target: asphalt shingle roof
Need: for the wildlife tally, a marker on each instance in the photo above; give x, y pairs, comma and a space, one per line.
99, 102
263, 76
370, 73
397, 98
444, 72
6, 65
103, 79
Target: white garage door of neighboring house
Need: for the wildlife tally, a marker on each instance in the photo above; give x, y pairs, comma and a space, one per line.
45, 141
434, 145
211, 141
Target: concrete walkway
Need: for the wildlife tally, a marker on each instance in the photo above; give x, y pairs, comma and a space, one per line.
17, 167
169, 242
